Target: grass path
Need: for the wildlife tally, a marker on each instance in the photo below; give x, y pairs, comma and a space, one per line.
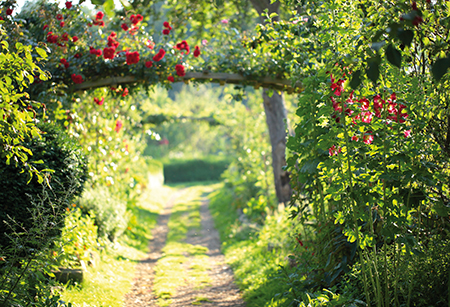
184, 266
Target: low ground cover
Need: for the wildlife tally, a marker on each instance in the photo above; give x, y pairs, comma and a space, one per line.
255, 252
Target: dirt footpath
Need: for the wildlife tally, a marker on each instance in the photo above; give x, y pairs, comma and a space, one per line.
222, 291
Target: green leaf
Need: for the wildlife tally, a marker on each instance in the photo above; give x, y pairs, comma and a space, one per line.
410, 16
373, 71
126, 4
48, 170
393, 56
218, 3
5, 44
8, 80
356, 79
41, 52
439, 68
377, 45
109, 6
405, 36
98, 2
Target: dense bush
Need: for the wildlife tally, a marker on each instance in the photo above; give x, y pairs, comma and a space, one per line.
194, 170
110, 213
54, 151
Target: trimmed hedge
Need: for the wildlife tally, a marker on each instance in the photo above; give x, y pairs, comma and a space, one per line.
194, 170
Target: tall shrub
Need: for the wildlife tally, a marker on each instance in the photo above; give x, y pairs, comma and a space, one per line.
54, 151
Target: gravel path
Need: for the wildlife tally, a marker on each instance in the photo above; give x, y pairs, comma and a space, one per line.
222, 291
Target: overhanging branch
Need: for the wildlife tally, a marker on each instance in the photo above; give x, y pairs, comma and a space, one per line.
222, 78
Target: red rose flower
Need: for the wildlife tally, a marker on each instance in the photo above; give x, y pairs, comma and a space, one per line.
99, 16
74, 39
97, 52
166, 31
68, 4
180, 70
125, 92
99, 101
45, 27
136, 19
108, 53
148, 64
59, 17
65, 63
61, 24
52, 39
159, 56
124, 27
77, 55
183, 46
9, 11
171, 78
112, 40
196, 51
167, 25
65, 37
77, 79
132, 57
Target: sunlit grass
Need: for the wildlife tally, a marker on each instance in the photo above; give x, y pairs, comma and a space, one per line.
107, 283
199, 300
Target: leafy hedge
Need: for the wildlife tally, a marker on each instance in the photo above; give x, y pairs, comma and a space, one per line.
210, 168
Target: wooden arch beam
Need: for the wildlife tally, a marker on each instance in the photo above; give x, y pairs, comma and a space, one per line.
222, 78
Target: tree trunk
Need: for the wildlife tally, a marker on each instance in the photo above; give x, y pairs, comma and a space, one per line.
276, 119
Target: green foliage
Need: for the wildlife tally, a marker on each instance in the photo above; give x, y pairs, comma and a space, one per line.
254, 253
370, 148
206, 169
26, 262
54, 151
18, 70
78, 239
421, 279
110, 213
